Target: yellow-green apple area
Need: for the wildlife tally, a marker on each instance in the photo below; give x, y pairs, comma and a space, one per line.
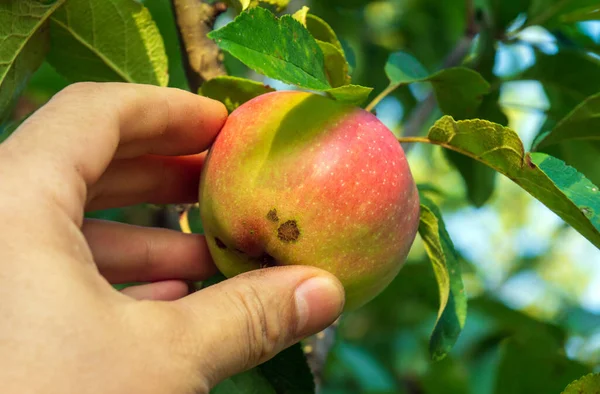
297, 178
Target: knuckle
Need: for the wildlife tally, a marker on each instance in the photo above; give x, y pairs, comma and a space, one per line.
79, 88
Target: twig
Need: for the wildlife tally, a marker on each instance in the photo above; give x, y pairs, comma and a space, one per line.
317, 349
391, 87
421, 114
202, 59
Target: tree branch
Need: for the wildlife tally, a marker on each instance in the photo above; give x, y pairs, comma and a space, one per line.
421, 114
202, 58
317, 349
202, 61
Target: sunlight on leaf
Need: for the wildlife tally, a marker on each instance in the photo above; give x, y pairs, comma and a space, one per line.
24, 39
459, 90
587, 384
280, 48
113, 40
300, 15
321, 31
350, 94
560, 187
336, 66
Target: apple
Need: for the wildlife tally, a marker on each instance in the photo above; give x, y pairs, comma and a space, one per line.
297, 178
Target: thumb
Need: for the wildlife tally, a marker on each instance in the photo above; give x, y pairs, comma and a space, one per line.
244, 321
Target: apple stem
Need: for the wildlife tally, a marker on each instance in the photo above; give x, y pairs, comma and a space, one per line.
381, 96
423, 140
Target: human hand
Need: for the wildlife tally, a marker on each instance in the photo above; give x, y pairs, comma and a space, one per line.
64, 328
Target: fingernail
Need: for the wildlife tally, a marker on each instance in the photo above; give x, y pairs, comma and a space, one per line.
319, 301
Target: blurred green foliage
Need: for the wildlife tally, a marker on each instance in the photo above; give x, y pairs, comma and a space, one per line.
525, 273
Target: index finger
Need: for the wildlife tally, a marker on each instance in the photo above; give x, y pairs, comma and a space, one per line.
75, 136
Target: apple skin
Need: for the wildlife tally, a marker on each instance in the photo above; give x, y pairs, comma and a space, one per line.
295, 178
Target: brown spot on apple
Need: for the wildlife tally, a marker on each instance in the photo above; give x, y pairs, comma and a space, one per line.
272, 215
288, 231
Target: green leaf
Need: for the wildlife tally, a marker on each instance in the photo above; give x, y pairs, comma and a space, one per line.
561, 188
584, 14
582, 155
350, 56
580, 321
278, 48
583, 123
504, 320
286, 373
300, 15
571, 35
534, 363
45, 83
458, 90
239, 5
402, 68
589, 384
550, 13
273, 5
321, 31
213, 280
370, 374
565, 91
336, 66
479, 179
112, 40
233, 91
25, 42
444, 259
112, 214
249, 382
162, 14
503, 12
7, 129
572, 184
350, 94
430, 188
